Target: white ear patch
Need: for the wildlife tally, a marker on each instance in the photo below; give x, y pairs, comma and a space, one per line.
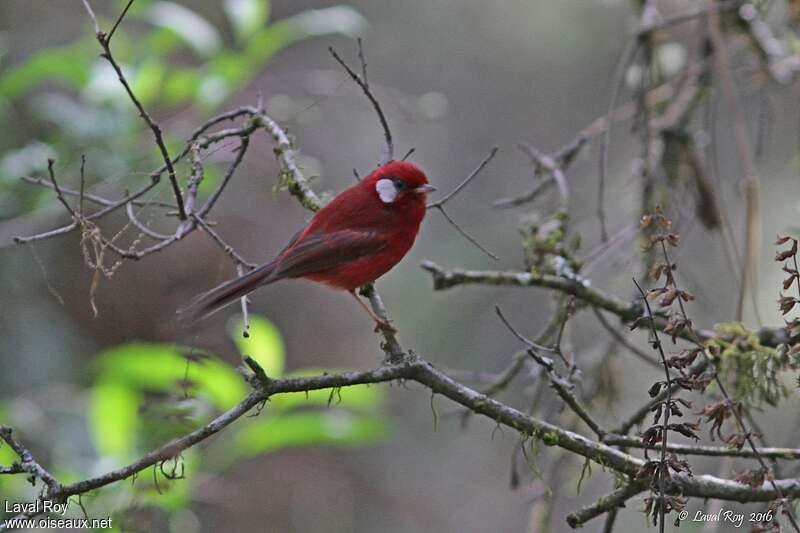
386, 190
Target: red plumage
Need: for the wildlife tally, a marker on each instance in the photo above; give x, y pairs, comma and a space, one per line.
355, 239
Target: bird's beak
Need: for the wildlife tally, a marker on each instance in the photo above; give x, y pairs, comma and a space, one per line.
425, 188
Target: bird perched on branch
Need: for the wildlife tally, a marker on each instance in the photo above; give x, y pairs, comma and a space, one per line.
352, 241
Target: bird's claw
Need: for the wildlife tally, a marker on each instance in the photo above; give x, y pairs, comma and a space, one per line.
384, 326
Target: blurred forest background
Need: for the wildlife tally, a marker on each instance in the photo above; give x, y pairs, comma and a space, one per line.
456, 78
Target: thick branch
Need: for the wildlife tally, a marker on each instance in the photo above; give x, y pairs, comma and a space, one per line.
581, 288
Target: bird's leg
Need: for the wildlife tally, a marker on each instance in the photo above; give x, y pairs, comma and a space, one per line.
380, 324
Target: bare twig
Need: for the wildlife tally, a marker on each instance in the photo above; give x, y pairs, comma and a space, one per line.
626, 58
27, 462
59, 195
203, 211
362, 82
559, 384
641, 354
440, 202
606, 503
105, 43
663, 471
227, 248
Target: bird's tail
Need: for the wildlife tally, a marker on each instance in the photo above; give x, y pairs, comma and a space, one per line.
212, 301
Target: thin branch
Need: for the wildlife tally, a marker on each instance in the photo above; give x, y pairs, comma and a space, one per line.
212, 200
445, 279
641, 354
244, 301
28, 463
467, 180
582, 288
364, 84
561, 385
227, 248
417, 369
751, 178
625, 59
92, 16
606, 504
82, 191
141, 226
788, 454
105, 43
663, 471
59, 195
93, 198
466, 235
439, 204
107, 39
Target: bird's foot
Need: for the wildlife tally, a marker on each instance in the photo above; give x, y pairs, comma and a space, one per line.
384, 326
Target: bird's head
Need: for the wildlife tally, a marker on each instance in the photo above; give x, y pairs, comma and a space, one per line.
399, 183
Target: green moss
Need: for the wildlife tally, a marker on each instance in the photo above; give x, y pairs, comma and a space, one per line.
753, 370
550, 438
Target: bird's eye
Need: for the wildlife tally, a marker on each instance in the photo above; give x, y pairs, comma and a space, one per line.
399, 184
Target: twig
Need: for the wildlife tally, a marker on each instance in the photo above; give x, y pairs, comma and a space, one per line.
460, 186
445, 279
82, 194
561, 385
416, 369
466, 235
625, 59
751, 178
212, 200
662, 472
142, 227
28, 463
244, 301
91, 16
105, 43
641, 354
364, 84
788, 454
606, 503
439, 204
227, 248
59, 195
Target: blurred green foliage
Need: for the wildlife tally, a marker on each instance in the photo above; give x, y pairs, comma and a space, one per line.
68, 101
143, 394
71, 102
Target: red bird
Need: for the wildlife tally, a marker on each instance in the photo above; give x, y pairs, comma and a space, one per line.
355, 239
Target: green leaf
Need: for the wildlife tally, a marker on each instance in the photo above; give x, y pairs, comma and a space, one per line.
195, 31
114, 419
363, 397
234, 68
160, 42
162, 368
147, 82
246, 16
265, 43
334, 427
343, 20
69, 65
264, 344
180, 86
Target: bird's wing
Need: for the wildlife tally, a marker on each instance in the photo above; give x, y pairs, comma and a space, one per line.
319, 252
